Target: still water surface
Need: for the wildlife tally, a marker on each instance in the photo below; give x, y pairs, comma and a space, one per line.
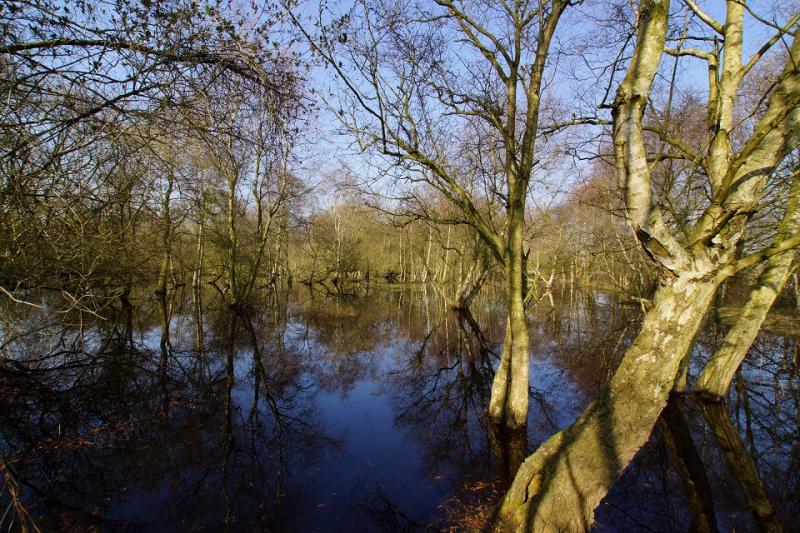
364, 413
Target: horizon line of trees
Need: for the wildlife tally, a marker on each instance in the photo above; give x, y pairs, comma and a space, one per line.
154, 142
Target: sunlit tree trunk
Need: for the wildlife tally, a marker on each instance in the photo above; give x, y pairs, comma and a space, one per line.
166, 238
718, 372
281, 263
560, 485
230, 227
558, 488
197, 275
161, 289
447, 256
426, 266
509, 401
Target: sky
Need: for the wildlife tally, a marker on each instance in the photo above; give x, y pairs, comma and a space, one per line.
326, 152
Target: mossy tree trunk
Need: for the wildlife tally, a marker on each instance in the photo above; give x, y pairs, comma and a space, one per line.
558, 488
560, 485
720, 369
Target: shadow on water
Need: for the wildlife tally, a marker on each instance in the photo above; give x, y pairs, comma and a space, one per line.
357, 411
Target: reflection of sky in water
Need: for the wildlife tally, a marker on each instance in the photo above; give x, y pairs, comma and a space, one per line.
381, 406
556, 400
376, 457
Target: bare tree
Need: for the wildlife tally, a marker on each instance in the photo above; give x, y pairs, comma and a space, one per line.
83, 84
559, 486
416, 75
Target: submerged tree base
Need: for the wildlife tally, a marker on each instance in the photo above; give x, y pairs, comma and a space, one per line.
559, 486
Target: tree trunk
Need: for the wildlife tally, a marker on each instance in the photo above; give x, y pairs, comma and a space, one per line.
509, 401
716, 377
718, 373
230, 220
447, 256
166, 239
197, 276
559, 486
741, 464
426, 267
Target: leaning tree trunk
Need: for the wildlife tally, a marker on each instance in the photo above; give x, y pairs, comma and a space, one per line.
718, 372
741, 464
559, 486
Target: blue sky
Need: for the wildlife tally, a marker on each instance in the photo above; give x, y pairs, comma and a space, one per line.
327, 152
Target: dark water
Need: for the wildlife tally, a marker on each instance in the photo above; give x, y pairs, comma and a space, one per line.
319, 413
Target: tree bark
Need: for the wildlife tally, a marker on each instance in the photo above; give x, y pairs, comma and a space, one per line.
741, 464
718, 372
508, 404
559, 486
716, 377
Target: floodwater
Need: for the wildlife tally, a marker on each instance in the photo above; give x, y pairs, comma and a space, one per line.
316, 412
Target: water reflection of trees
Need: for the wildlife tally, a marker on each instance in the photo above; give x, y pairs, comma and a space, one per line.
723, 466
442, 387
118, 433
685, 478
339, 336
104, 423
441, 393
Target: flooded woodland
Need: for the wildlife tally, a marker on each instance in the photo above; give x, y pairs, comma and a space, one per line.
364, 412
378, 265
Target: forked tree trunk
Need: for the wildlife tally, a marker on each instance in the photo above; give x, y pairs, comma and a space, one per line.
559, 486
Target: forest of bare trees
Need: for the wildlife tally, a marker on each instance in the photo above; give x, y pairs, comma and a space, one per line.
216, 160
